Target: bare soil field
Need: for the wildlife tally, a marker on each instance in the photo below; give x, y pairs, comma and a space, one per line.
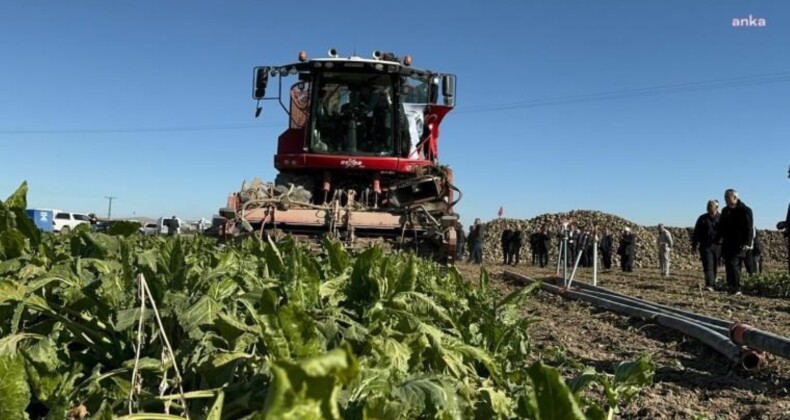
692, 380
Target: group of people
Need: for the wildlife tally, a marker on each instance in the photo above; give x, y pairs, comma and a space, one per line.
475, 238
729, 237
511, 242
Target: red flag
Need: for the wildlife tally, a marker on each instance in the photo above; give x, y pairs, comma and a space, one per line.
501, 211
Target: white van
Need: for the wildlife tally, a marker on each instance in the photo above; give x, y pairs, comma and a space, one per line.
64, 221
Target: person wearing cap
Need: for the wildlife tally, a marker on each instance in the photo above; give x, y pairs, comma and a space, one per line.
627, 250
704, 240
664, 249
736, 235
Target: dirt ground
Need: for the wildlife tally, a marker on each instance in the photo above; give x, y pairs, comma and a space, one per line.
691, 380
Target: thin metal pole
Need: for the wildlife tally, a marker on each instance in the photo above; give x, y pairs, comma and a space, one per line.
595, 260
575, 266
109, 208
565, 259
559, 256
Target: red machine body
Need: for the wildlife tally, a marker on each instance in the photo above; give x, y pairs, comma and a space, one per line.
359, 159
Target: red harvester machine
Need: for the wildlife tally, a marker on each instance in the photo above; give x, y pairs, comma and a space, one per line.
359, 160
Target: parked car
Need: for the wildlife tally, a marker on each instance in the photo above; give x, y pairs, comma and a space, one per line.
64, 222
149, 229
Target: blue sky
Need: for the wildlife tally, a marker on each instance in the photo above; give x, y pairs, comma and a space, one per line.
150, 101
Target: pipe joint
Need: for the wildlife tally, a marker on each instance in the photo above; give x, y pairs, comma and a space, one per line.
737, 332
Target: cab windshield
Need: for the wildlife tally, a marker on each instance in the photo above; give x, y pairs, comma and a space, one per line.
353, 115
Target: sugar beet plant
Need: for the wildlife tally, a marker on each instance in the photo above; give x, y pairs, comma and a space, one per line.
149, 327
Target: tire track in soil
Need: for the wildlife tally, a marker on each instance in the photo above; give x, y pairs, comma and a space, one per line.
691, 378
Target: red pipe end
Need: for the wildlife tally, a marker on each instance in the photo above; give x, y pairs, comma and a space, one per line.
737, 330
752, 360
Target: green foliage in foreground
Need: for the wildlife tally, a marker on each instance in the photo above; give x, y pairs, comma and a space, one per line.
772, 285
767, 284
264, 331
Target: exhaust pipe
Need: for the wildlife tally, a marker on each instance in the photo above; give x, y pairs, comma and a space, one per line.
377, 54
332, 52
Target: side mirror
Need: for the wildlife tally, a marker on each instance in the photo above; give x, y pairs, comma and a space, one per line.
448, 89
434, 91
260, 80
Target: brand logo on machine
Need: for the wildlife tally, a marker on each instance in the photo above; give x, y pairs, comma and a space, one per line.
351, 163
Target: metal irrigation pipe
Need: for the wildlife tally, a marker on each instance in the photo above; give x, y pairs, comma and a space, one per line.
749, 359
740, 333
704, 318
724, 331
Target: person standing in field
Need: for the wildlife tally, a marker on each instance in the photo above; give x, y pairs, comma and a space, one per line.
506, 240
704, 240
534, 247
515, 246
476, 239
664, 249
606, 246
757, 253
627, 250
544, 245
736, 233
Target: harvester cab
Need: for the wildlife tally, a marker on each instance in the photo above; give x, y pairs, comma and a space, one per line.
359, 158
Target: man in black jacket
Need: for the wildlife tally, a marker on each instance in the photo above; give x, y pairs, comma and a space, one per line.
515, 246
534, 247
736, 233
507, 237
704, 240
581, 247
627, 250
544, 245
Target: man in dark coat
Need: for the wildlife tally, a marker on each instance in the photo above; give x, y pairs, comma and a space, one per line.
607, 248
534, 247
581, 247
704, 240
515, 246
544, 245
736, 233
475, 239
507, 237
627, 250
